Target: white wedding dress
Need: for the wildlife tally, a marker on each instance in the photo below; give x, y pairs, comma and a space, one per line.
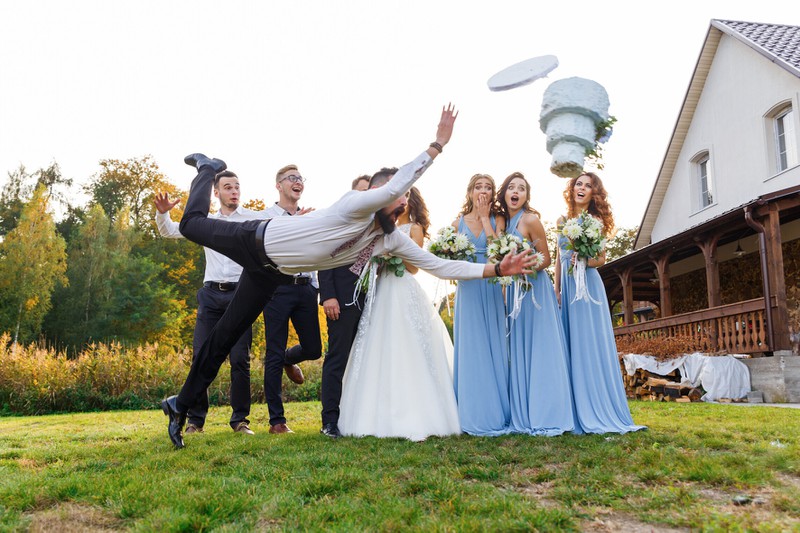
399, 377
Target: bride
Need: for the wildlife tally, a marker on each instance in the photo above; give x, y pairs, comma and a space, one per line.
399, 377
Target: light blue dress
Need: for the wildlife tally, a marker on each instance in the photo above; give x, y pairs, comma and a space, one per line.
540, 393
480, 369
598, 393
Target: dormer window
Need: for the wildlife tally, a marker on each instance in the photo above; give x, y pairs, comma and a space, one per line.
703, 181
785, 139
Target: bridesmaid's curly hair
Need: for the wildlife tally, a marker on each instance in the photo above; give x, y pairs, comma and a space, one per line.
502, 206
418, 211
468, 205
598, 205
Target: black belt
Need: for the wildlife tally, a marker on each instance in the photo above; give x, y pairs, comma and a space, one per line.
262, 253
222, 286
301, 280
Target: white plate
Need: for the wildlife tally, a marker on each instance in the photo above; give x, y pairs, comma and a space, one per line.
523, 73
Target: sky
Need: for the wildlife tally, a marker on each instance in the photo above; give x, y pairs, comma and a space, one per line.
344, 88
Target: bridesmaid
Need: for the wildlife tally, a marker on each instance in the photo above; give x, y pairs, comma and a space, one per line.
599, 395
540, 395
480, 370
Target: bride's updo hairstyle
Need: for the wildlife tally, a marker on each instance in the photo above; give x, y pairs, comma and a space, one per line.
468, 205
418, 211
598, 205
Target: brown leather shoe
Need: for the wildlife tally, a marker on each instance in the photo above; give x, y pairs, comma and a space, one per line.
191, 428
294, 373
242, 427
279, 428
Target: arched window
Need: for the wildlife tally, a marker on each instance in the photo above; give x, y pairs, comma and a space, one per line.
703, 186
785, 139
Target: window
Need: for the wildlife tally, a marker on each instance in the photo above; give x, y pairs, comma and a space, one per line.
703, 180
785, 139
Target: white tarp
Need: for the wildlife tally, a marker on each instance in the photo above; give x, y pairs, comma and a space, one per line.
722, 376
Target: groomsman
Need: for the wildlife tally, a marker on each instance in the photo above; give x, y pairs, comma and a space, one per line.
297, 302
342, 314
213, 298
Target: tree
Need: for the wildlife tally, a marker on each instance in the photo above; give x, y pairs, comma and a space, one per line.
132, 184
32, 262
115, 292
622, 243
15, 195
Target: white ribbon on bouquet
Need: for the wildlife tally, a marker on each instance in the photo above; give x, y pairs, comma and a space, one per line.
581, 288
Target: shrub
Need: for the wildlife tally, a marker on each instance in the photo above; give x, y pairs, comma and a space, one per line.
36, 380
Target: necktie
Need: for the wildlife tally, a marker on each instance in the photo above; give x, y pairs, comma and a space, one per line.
349, 244
364, 256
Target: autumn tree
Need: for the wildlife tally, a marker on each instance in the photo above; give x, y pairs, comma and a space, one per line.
132, 184
32, 263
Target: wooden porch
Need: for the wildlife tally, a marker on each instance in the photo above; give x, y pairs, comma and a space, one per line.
750, 326
734, 328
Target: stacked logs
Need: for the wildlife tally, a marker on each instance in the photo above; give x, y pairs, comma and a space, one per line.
644, 385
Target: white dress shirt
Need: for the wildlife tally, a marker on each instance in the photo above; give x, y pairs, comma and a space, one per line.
219, 268
302, 244
277, 211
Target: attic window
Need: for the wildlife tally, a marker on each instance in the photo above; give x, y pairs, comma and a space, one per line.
785, 139
703, 180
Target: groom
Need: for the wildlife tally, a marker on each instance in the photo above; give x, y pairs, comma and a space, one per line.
357, 226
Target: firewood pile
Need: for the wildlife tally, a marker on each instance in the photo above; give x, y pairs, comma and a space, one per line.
644, 385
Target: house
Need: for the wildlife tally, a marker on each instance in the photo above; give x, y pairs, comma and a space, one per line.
718, 249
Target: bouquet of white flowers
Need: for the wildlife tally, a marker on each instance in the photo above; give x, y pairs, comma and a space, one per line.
505, 243
449, 244
502, 245
586, 240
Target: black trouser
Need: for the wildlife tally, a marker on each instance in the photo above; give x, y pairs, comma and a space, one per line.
211, 305
297, 303
240, 242
341, 334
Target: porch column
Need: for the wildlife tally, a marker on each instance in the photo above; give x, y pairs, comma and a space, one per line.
709, 248
625, 278
777, 281
662, 265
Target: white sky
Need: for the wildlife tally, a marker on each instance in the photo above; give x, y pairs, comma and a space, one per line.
344, 88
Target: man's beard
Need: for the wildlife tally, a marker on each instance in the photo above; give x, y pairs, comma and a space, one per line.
385, 220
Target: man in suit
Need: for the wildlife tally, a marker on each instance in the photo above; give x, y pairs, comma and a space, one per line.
350, 231
297, 302
336, 289
213, 298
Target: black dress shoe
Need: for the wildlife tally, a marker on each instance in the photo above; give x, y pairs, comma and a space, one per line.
200, 160
176, 420
330, 430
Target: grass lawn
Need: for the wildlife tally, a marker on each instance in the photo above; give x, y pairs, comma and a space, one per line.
118, 471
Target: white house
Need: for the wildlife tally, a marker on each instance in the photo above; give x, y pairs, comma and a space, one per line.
718, 249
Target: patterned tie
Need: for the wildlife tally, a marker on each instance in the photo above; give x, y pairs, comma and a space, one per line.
364, 256
349, 244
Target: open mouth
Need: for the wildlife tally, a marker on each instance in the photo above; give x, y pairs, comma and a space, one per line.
514, 199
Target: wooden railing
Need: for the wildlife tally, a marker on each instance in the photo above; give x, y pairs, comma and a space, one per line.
733, 328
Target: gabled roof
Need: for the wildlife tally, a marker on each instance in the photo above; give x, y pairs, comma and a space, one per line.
778, 43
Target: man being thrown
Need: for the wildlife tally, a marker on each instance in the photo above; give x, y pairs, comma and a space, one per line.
357, 226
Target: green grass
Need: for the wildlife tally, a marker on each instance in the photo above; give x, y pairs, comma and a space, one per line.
118, 471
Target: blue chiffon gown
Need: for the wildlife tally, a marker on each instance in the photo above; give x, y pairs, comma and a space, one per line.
598, 393
540, 393
480, 369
